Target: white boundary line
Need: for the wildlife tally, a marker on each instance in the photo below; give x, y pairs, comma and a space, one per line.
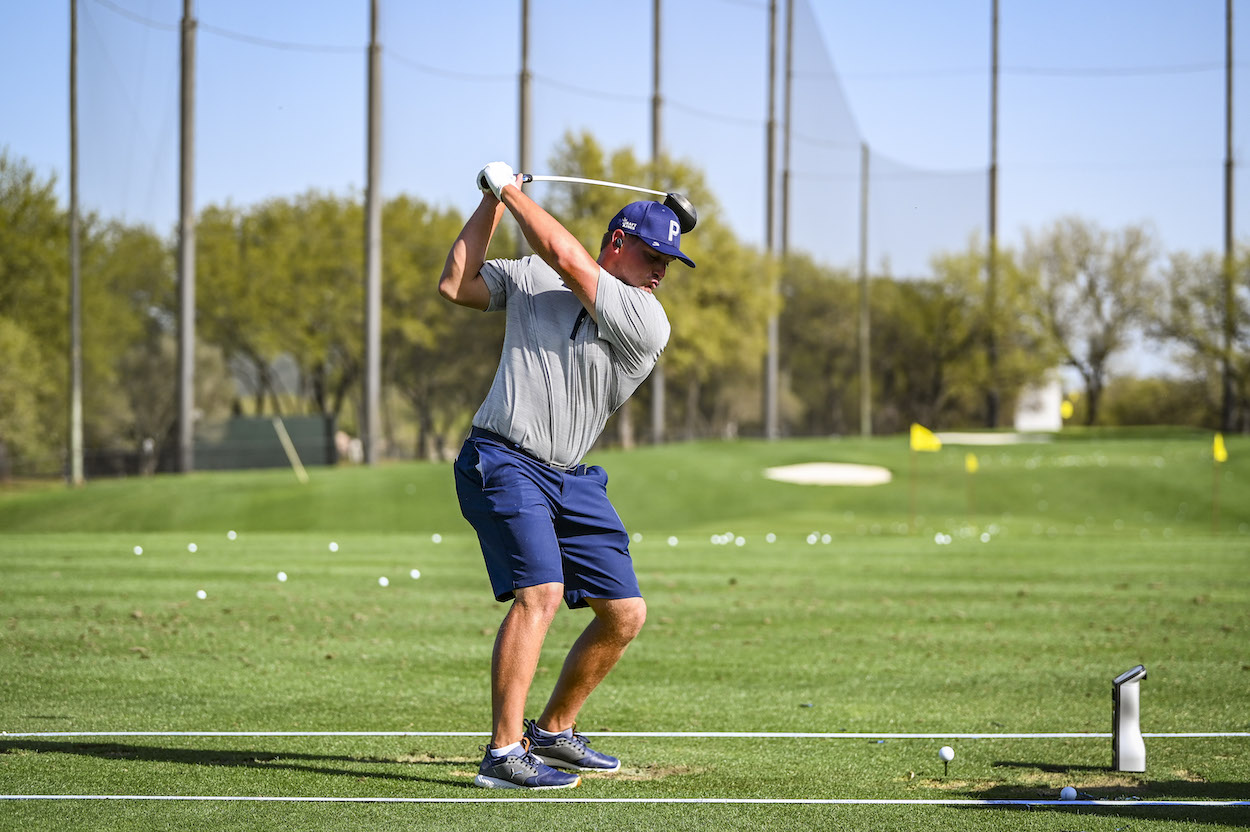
642, 800
675, 734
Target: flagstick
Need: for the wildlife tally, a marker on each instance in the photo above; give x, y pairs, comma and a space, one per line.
972, 503
912, 524
1215, 498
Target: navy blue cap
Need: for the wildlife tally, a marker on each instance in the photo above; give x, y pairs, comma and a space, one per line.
655, 224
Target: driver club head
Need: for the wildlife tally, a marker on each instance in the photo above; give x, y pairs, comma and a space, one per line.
687, 217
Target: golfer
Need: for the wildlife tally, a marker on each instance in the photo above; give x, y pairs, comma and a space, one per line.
581, 335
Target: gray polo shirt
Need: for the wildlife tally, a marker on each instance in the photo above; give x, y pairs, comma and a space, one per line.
561, 375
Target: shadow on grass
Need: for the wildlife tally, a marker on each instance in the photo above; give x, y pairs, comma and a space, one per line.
264, 760
1105, 783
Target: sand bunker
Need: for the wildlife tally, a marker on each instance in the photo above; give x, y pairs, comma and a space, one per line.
955, 438
830, 473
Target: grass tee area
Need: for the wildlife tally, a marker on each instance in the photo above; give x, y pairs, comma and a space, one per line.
1068, 563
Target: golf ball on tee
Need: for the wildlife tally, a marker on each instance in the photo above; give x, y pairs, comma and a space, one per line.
201, 594
334, 547
1068, 793
946, 753
383, 581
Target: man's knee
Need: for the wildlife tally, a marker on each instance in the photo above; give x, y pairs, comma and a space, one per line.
624, 616
542, 601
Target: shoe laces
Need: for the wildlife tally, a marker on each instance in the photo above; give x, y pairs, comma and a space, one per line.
527, 755
576, 738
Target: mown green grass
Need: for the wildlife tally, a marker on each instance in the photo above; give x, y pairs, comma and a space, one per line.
1101, 556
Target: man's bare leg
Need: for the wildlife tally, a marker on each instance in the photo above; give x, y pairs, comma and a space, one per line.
596, 651
517, 648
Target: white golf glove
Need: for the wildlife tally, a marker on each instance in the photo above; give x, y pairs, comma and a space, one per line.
494, 176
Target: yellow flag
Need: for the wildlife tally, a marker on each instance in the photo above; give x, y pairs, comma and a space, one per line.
922, 439
1218, 450
970, 463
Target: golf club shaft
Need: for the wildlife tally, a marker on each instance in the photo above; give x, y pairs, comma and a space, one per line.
529, 177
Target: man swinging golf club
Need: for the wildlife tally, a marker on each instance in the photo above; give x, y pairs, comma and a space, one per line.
581, 335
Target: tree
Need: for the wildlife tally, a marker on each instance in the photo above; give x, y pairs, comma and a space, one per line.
236, 294
1092, 291
922, 355
25, 386
128, 294
285, 279
1193, 314
1023, 350
34, 311
438, 356
127, 301
818, 325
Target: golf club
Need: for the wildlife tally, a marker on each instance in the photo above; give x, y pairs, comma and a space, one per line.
676, 203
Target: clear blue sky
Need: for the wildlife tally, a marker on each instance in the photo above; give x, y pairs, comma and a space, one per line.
1111, 110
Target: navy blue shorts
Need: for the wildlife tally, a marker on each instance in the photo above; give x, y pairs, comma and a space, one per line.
538, 524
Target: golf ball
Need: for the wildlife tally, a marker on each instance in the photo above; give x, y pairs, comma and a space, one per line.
282, 576
416, 573
1068, 793
201, 594
946, 753
138, 550
383, 581
230, 535
672, 541
771, 538
437, 538
334, 547
191, 547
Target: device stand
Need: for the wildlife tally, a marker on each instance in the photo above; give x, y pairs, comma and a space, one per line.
1128, 750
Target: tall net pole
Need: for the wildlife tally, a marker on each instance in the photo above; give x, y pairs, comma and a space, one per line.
523, 108
186, 247
657, 109
865, 334
75, 275
1230, 307
991, 278
771, 370
787, 110
373, 248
